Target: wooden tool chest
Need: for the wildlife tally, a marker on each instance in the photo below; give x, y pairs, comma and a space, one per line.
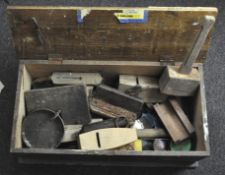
110, 41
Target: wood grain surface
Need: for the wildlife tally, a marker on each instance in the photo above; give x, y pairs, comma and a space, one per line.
167, 35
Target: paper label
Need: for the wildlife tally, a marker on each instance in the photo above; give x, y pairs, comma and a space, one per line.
132, 16
81, 14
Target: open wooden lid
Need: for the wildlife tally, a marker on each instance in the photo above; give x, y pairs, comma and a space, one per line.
104, 33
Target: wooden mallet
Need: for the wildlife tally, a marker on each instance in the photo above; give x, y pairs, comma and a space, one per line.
184, 80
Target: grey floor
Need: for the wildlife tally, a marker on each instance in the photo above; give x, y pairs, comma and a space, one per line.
215, 94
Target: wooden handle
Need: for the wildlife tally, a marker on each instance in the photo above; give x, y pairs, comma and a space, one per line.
151, 133
207, 24
70, 133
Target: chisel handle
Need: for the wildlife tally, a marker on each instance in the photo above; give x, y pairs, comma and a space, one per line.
151, 133
207, 24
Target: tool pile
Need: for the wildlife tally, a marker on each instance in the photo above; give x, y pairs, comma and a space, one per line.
82, 111
79, 111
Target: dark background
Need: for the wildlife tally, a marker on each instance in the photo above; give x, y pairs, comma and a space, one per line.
214, 69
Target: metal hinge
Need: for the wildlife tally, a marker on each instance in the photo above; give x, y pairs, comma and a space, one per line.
55, 58
166, 61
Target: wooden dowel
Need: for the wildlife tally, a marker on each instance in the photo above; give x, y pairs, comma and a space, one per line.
151, 133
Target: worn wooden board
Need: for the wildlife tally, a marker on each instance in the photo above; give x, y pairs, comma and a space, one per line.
171, 122
43, 68
167, 35
182, 116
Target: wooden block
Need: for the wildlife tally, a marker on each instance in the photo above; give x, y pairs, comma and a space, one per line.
126, 82
182, 116
118, 98
129, 85
143, 87
148, 82
104, 139
108, 110
174, 83
71, 100
89, 90
76, 78
171, 122
150, 92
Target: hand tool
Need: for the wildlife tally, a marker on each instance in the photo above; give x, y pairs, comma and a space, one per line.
111, 138
42, 128
107, 110
76, 78
71, 100
111, 102
184, 80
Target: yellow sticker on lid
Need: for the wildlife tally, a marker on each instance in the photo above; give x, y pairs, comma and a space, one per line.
132, 16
